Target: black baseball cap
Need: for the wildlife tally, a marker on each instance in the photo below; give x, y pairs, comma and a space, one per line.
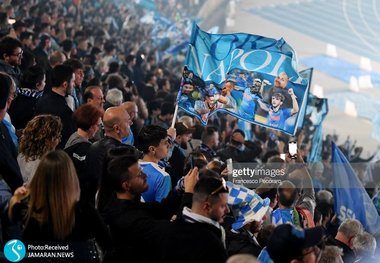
287, 242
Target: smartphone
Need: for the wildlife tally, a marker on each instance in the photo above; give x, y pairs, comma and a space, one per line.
192, 161
292, 148
229, 166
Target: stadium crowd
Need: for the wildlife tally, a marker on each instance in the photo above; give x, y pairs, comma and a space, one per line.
88, 156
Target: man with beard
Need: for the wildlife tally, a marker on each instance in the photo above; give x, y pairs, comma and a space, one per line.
10, 58
196, 235
280, 83
54, 102
210, 142
177, 160
76, 93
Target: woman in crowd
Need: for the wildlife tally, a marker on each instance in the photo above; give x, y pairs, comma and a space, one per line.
88, 119
41, 135
51, 213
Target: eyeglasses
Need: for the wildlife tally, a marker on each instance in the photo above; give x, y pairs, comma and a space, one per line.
220, 188
18, 54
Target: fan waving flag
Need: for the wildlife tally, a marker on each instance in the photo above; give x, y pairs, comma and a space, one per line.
251, 77
351, 199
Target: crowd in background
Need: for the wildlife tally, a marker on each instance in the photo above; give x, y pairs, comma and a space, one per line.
88, 154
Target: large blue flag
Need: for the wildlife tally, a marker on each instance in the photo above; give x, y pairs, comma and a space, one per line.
251, 77
351, 199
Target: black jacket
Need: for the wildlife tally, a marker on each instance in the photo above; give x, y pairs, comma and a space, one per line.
94, 164
177, 164
78, 154
55, 104
88, 225
348, 253
192, 242
238, 243
14, 72
138, 228
23, 107
9, 168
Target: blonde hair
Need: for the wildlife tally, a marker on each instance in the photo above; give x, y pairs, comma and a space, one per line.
39, 135
53, 194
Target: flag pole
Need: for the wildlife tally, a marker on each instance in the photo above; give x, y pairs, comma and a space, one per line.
174, 115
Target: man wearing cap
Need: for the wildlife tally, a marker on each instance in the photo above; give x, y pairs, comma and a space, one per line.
289, 244
177, 160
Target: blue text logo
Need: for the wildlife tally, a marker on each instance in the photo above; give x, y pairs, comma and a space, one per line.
14, 250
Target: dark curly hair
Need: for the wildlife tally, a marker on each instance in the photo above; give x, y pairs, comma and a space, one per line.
39, 135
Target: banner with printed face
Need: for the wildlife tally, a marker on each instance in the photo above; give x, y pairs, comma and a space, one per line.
251, 77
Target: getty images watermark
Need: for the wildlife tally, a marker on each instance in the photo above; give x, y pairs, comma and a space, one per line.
252, 175
322, 175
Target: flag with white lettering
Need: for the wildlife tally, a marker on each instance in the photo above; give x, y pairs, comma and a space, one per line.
251, 77
351, 199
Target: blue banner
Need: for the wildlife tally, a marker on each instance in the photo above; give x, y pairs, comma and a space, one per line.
251, 77
306, 74
351, 199
316, 112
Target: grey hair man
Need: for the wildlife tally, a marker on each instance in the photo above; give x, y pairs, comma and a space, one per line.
331, 254
364, 246
347, 231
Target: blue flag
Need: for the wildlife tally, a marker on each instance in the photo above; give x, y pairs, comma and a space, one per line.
251, 77
306, 74
317, 110
351, 199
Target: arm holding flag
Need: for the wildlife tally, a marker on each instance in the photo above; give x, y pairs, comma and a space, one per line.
307, 198
294, 101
